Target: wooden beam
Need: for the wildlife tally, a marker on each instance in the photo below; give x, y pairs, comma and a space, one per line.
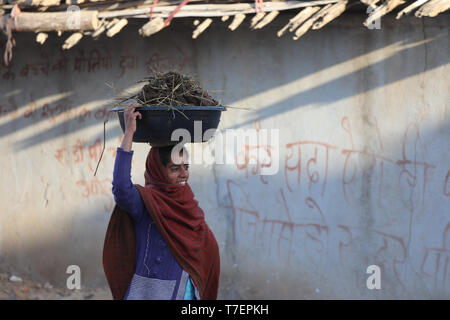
100, 5
433, 8
37, 3
56, 21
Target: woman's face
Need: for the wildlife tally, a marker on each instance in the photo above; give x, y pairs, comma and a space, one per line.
178, 170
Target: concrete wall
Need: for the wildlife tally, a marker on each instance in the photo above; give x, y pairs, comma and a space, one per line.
363, 155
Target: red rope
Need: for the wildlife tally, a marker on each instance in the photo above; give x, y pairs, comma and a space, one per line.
11, 42
259, 6
174, 12
10, 25
151, 9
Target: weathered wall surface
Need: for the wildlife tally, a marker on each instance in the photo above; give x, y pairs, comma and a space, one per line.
363, 155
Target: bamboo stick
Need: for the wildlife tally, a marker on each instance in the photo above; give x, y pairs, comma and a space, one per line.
256, 19
152, 27
237, 20
117, 27
112, 22
267, 19
410, 8
72, 40
332, 13
201, 27
101, 28
296, 21
41, 37
308, 24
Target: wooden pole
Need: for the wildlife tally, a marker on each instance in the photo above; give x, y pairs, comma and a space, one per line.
57, 21
37, 3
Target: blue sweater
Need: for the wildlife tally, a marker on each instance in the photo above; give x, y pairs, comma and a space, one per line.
158, 275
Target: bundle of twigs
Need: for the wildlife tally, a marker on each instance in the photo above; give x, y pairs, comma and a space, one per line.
170, 89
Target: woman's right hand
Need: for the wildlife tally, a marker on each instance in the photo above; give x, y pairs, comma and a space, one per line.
130, 116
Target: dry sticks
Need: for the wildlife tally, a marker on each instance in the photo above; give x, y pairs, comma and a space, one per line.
170, 89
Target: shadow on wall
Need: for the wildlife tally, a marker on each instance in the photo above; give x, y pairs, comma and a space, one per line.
49, 249
60, 92
315, 227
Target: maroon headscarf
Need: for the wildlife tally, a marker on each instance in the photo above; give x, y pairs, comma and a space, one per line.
182, 225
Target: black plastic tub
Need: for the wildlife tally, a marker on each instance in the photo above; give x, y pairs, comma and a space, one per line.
159, 122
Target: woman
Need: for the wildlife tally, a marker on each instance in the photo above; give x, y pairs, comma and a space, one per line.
158, 245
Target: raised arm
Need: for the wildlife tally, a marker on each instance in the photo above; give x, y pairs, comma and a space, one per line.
125, 193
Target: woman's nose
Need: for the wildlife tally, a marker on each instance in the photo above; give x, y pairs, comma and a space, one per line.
183, 172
